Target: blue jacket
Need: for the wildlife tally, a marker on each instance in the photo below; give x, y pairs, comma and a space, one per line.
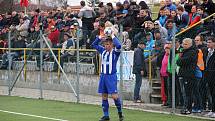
149, 46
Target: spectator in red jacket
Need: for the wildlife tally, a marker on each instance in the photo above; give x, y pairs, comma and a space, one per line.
194, 16
54, 36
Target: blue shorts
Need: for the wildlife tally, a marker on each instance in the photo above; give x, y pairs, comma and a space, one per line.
108, 84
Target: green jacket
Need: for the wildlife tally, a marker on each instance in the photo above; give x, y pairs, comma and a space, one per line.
169, 67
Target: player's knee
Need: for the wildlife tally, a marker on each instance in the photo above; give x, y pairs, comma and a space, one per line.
104, 96
115, 96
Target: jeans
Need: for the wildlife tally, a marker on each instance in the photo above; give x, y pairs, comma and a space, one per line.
138, 84
86, 36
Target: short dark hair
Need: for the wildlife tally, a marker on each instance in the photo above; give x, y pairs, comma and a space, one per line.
169, 21
162, 8
67, 34
211, 38
157, 31
180, 8
142, 42
110, 4
109, 39
82, 3
201, 37
200, 7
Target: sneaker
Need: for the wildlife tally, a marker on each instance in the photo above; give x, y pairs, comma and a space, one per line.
105, 118
196, 111
213, 115
138, 101
185, 112
121, 117
208, 114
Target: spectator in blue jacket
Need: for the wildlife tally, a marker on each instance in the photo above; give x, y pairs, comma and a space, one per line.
170, 5
184, 18
150, 43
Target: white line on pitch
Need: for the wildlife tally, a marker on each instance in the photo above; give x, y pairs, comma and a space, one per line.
16, 113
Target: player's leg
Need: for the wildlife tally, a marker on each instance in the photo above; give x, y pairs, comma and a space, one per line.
118, 104
105, 107
112, 89
105, 104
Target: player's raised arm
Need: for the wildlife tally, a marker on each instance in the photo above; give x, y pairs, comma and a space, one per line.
116, 42
96, 45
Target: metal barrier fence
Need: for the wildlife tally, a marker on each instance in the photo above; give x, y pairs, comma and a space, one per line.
89, 69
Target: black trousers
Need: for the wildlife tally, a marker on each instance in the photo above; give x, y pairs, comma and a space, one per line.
205, 94
211, 84
188, 86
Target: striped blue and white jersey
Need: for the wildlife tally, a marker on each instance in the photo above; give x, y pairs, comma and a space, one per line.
108, 59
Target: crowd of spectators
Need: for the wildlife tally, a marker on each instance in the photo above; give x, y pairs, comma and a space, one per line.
135, 21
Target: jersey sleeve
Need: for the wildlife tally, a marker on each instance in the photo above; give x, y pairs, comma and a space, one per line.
96, 45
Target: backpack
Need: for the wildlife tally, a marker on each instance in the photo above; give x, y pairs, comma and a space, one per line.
200, 61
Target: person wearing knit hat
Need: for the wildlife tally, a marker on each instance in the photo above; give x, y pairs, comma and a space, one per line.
139, 69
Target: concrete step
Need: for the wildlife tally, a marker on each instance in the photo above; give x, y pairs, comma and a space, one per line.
156, 79
156, 82
156, 88
155, 95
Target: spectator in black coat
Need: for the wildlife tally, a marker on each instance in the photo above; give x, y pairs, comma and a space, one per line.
187, 63
210, 71
138, 69
2, 22
209, 6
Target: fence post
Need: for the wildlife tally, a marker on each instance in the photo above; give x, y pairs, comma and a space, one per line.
25, 61
41, 65
77, 66
121, 68
150, 68
173, 72
58, 73
10, 62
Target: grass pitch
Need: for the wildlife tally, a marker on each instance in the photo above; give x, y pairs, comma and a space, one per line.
71, 111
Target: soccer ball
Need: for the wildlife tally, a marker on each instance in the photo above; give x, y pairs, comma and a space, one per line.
108, 31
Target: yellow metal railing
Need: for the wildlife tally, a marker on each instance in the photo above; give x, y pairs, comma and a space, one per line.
59, 59
44, 49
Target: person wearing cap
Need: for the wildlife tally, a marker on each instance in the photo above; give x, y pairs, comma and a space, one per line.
139, 69
163, 30
108, 78
164, 74
126, 7
67, 44
150, 44
76, 32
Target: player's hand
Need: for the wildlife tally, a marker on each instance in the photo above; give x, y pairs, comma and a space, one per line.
142, 73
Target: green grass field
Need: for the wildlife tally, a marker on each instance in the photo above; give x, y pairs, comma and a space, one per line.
71, 111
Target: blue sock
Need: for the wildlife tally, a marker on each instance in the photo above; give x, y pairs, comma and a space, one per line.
105, 107
118, 105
